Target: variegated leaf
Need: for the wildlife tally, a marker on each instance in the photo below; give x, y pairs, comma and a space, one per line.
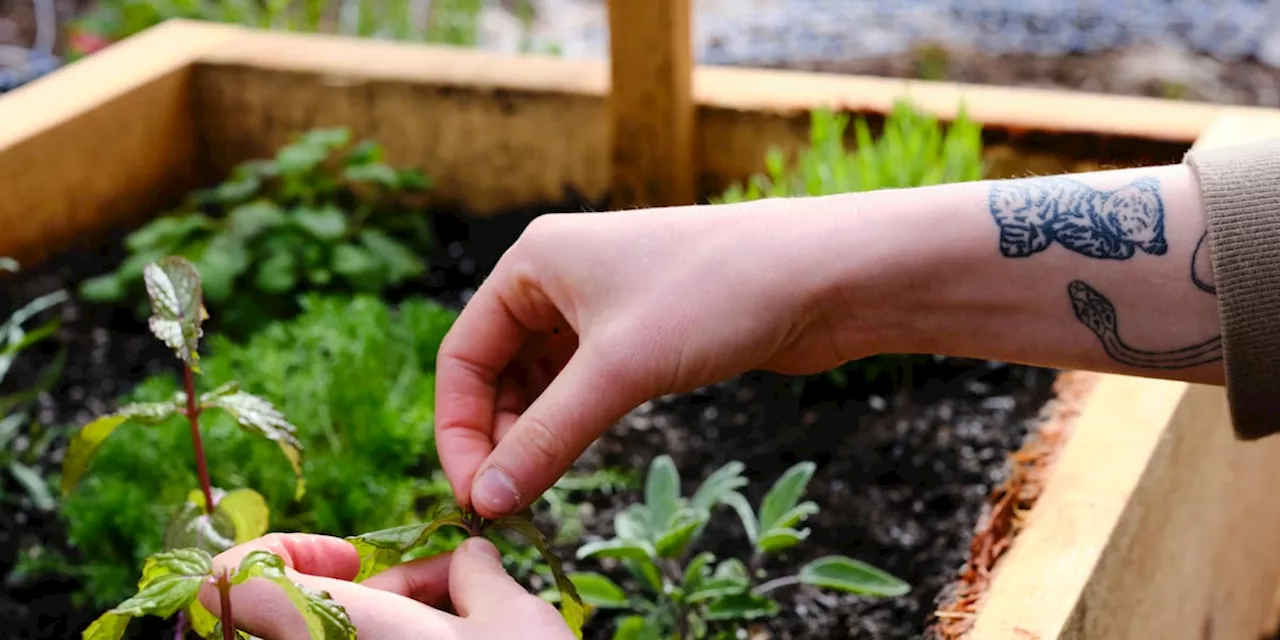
177, 308
261, 417
86, 442
324, 617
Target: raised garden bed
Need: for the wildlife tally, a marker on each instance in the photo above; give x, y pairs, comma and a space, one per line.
1130, 532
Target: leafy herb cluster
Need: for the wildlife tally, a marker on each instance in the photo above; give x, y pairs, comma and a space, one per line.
913, 149
322, 215
356, 371
212, 520
683, 595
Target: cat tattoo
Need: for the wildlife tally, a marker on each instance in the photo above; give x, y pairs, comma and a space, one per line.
1034, 213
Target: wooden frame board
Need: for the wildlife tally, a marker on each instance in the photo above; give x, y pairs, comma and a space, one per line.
1156, 522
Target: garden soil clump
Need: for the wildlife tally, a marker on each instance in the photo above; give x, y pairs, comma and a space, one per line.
901, 481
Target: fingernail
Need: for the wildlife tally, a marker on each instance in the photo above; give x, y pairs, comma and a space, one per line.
482, 547
495, 492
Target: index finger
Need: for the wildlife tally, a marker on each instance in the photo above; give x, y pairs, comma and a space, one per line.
504, 313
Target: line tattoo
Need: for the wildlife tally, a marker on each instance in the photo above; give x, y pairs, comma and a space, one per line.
1201, 268
1097, 313
1111, 225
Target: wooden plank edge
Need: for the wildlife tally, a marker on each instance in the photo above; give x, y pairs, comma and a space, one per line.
116, 71
1003, 517
101, 142
1042, 577
730, 88
1079, 532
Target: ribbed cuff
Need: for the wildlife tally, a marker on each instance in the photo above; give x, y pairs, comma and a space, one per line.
1240, 187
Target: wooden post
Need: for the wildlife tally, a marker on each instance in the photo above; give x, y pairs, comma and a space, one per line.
651, 109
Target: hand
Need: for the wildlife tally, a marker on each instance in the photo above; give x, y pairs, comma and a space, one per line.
586, 316
397, 604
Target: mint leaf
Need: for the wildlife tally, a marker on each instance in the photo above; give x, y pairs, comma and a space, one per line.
324, 617
173, 284
86, 442
259, 416
170, 582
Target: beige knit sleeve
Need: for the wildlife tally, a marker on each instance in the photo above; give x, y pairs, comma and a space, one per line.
1240, 187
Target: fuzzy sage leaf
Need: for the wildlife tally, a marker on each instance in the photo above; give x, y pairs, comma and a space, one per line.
852, 576
177, 310
324, 617
170, 582
86, 442
259, 416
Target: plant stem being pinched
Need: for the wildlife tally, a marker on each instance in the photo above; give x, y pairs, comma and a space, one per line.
224, 596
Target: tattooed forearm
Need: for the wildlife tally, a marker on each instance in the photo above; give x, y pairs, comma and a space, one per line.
1036, 212
1097, 313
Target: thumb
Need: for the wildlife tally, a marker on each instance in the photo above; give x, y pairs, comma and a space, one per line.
585, 399
477, 580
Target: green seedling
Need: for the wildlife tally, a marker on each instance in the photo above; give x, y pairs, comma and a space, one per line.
689, 596
22, 442
211, 520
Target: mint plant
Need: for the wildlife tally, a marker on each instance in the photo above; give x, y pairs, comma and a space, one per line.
212, 520
692, 596
172, 580
22, 442
358, 371
321, 215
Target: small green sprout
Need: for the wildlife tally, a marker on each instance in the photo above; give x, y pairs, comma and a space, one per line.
695, 596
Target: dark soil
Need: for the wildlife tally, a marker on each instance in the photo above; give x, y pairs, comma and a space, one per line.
900, 487
901, 484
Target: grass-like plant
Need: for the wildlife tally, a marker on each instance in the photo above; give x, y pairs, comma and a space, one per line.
22, 441
913, 149
688, 596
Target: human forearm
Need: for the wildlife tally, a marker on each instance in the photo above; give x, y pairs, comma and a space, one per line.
1026, 271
